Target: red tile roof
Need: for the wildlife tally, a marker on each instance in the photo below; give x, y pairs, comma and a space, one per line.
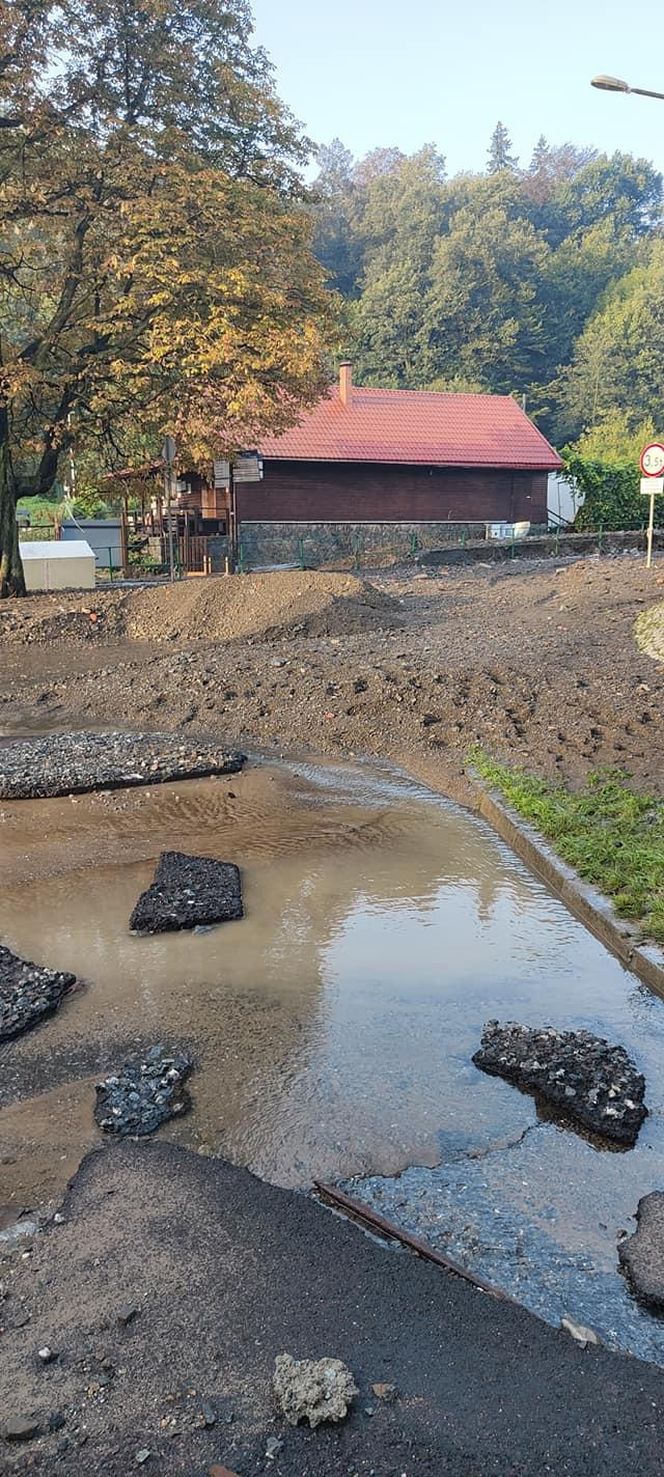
417, 426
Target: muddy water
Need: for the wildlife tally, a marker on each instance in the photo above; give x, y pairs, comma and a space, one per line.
333, 1027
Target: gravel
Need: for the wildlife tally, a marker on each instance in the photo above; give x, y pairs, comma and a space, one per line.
188, 892
28, 992
597, 1085
144, 1093
70, 763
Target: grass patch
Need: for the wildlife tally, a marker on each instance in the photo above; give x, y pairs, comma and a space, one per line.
612, 836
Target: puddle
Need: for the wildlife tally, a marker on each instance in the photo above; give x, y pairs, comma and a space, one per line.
333, 1027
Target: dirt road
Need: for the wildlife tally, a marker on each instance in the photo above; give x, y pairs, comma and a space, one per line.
539, 663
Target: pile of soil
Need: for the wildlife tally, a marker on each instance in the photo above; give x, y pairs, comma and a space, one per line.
537, 662
214, 609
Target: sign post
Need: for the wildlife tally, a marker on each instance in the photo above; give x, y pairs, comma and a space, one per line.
168, 452
652, 484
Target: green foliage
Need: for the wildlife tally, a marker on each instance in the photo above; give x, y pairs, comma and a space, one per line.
495, 278
611, 492
612, 836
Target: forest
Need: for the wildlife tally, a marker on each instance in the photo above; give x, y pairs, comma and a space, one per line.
542, 280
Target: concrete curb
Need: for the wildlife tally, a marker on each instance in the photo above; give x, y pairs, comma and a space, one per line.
589, 905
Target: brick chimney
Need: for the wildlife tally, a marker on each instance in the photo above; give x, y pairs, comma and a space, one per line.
345, 382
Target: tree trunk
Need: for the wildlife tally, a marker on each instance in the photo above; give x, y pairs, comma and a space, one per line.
12, 578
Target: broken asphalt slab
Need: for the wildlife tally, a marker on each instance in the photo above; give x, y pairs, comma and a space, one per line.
228, 1273
593, 1083
642, 1255
144, 1093
71, 763
28, 992
188, 892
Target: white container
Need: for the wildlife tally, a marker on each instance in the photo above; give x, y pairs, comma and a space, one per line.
55, 565
509, 531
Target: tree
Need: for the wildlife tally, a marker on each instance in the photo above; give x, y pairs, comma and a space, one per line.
483, 311
500, 151
618, 363
621, 190
157, 271
336, 242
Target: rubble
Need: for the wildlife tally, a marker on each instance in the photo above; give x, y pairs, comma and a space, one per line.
143, 1094
595, 1084
642, 1255
188, 892
71, 763
313, 1389
28, 992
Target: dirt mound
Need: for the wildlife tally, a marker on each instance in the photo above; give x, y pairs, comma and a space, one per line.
259, 605
212, 609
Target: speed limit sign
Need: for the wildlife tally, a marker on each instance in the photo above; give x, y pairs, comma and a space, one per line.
652, 459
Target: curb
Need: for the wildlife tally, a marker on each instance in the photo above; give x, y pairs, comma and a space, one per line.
593, 909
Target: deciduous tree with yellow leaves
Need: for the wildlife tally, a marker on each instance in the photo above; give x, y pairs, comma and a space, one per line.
155, 268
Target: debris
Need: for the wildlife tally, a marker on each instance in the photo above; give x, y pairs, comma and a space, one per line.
144, 1093
46, 1355
595, 1083
313, 1389
217, 1471
208, 1415
188, 891
22, 1230
579, 1332
28, 992
142, 1456
272, 1447
21, 1428
642, 1254
384, 1391
125, 1315
70, 763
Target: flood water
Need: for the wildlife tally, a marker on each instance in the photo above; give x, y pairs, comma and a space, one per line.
333, 1027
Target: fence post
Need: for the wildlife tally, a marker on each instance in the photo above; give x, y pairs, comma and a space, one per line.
300, 545
599, 540
110, 565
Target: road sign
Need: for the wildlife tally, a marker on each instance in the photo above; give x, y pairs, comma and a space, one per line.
652, 459
652, 486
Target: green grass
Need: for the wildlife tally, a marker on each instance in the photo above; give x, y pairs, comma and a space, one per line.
612, 836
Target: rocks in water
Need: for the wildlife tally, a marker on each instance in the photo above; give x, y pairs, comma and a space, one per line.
28, 992
67, 763
144, 1093
313, 1389
594, 1083
642, 1255
187, 892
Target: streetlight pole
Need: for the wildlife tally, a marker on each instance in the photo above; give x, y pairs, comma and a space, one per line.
615, 84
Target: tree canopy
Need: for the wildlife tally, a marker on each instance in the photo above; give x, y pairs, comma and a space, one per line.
157, 271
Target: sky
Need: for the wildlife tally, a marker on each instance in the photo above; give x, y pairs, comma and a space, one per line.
408, 72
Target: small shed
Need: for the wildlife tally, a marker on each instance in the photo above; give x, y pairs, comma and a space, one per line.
104, 535
51, 565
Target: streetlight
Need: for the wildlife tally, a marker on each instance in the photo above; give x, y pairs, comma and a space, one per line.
615, 84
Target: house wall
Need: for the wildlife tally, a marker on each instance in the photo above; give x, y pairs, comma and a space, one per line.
370, 492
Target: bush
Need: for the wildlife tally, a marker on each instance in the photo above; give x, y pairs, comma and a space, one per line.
612, 499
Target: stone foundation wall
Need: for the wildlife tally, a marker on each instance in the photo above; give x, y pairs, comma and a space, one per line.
313, 545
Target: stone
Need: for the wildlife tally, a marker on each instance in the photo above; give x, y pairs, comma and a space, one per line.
595, 1084
579, 1332
28, 992
125, 1315
218, 1471
143, 1093
384, 1391
46, 1355
313, 1389
142, 1456
187, 892
21, 1428
272, 1447
642, 1255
